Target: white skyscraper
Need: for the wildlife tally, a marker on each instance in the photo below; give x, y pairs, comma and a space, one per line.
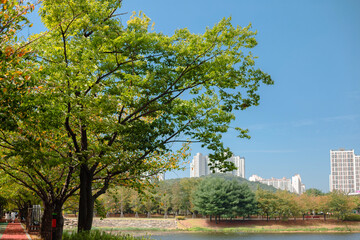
199, 166
292, 185
345, 171
296, 184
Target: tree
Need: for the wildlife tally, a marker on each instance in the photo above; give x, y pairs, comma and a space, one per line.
323, 204
287, 205
340, 204
267, 202
110, 100
176, 198
135, 203
165, 195
118, 198
218, 196
247, 202
17, 196
314, 192
187, 188
17, 87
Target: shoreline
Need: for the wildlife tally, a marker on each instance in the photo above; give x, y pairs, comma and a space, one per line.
226, 226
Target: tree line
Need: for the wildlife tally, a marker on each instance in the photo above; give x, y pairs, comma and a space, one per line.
223, 196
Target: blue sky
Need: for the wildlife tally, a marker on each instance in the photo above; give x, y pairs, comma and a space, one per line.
311, 49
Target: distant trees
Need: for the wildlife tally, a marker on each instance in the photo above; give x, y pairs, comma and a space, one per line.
341, 204
225, 196
267, 203
314, 192
217, 196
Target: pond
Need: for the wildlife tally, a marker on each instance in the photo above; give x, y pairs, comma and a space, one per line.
257, 236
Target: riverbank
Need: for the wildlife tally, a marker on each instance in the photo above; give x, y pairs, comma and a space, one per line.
145, 226
276, 226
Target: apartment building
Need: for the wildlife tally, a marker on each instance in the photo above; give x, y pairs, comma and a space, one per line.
292, 185
200, 166
345, 171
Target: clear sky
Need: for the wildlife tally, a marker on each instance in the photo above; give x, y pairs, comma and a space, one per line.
311, 48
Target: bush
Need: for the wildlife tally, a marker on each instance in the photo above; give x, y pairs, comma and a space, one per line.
352, 217
98, 235
180, 217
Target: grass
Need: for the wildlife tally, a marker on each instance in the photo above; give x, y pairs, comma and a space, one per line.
279, 227
268, 230
98, 235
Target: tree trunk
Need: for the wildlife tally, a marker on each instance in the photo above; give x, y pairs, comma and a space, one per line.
46, 230
122, 210
57, 235
46, 221
86, 202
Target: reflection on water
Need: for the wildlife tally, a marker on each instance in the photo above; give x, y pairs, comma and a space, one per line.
255, 236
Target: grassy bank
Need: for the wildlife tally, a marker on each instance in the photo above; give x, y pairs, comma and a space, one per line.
249, 226
202, 225
270, 226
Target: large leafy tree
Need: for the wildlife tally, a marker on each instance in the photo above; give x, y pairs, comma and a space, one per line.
218, 196
340, 204
18, 86
112, 99
267, 203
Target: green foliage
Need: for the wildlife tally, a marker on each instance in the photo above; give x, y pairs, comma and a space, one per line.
341, 204
15, 73
100, 209
352, 217
217, 196
252, 185
314, 192
180, 217
109, 99
267, 202
98, 235
111, 96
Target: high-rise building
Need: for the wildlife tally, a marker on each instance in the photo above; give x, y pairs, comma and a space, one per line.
292, 185
200, 166
296, 184
345, 171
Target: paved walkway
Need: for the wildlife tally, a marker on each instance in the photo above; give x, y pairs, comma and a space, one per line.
13, 231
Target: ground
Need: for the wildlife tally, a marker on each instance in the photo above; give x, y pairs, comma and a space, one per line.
145, 226
329, 225
199, 224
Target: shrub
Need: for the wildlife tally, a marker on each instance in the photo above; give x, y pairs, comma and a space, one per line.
180, 217
352, 217
98, 235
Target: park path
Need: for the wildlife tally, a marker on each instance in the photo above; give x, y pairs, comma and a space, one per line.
13, 231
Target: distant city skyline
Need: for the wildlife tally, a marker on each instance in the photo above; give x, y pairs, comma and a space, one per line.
293, 185
200, 166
